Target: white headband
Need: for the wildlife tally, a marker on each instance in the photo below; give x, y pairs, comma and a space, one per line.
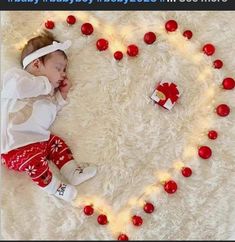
46, 50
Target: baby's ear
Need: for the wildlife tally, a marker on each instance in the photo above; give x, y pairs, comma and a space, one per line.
36, 64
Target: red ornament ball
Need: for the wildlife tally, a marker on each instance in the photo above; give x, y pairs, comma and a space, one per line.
88, 210
123, 237
71, 20
218, 64
102, 44
209, 49
87, 29
186, 171
204, 152
223, 110
137, 220
150, 38
102, 219
212, 134
49, 24
171, 25
170, 186
228, 83
118, 55
132, 50
188, 34
148, 207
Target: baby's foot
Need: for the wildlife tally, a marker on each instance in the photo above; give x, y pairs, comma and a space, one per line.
76, 174
80, 175
60, 190
66, 192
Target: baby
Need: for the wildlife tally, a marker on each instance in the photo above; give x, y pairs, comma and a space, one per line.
31, 98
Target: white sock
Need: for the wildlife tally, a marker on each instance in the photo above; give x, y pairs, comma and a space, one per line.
66, 192
52, 187
61, 190
76, 174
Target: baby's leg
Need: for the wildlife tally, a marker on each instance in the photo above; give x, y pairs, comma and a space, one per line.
43, 177
32, 160
59, 153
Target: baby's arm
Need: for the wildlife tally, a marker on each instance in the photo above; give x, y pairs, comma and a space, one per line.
62, 93
60, 101
64, 88
21, 84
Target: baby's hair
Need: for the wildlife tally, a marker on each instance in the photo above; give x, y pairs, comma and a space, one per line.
42, 40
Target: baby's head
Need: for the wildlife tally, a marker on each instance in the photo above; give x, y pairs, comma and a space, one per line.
45, 56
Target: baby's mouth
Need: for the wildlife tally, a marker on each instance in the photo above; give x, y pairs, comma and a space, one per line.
61, 83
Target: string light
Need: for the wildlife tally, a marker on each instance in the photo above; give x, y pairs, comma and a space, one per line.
178, 165
163, 176
186, 50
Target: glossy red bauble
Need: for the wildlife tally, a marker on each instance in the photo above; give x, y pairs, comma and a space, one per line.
132, 50
218, 64
170, 186
228, 83
204, 152
118, 55
102, 44
186, 171
212, 134
188, 34
87, 29
71, 19
49, 24
150, 38
209, 49
88, 210
223, 110
102, 219
137, 220
171, 25
148, 207
123, 237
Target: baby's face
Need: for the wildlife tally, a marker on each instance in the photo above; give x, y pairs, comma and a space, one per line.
54, 68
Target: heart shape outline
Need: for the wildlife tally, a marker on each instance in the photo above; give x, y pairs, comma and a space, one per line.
162, 178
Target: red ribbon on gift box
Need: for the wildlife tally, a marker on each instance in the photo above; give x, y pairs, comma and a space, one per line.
170, 91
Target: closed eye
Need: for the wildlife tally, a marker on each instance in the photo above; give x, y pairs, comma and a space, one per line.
58, 69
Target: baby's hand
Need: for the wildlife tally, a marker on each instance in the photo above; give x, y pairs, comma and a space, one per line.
64, 87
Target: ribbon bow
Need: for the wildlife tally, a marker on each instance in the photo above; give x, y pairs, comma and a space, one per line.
170, 91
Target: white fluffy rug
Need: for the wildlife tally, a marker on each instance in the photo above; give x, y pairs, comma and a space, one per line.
111, 122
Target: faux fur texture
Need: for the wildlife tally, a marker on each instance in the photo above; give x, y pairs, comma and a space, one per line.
111, 122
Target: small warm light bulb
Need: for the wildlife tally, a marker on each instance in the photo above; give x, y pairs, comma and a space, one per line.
127, 31
189, 152
197, 58
95, 22
61, 16
132, 201
163, 177
83, 16
21, 44
178, 165
210, 92
109, 30
148, 190
141, 202
116, 45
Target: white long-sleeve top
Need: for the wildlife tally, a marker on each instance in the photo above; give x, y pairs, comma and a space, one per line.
29, 106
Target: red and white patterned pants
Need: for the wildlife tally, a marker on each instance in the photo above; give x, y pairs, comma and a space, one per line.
33, 159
